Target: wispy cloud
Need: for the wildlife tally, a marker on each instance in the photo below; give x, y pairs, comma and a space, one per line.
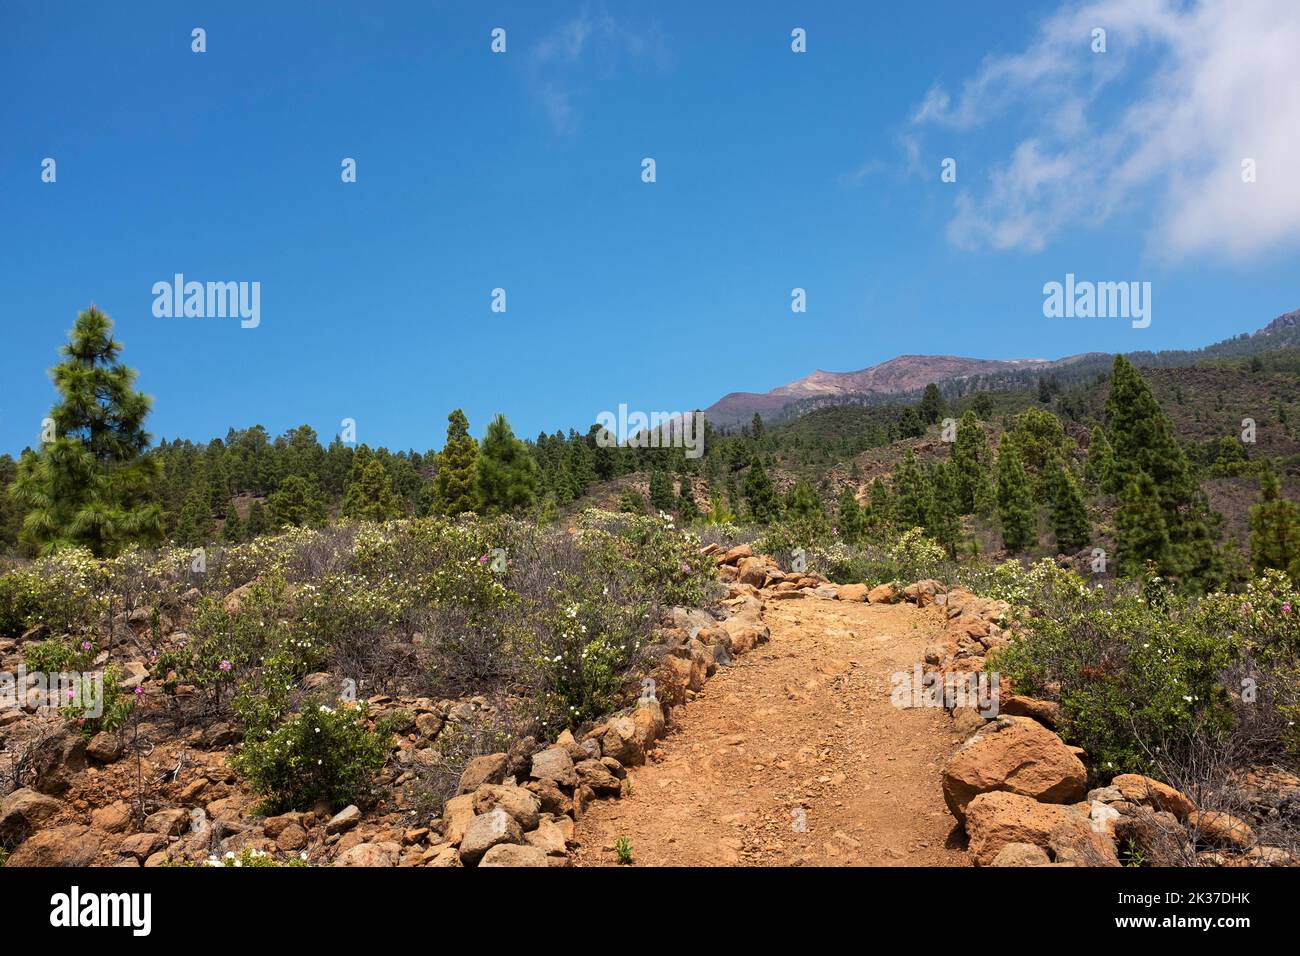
1161, 122
593, 44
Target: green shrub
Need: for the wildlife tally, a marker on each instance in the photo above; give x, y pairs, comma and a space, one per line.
318, 754
1135, 677
58, 655
61, 591
114, 707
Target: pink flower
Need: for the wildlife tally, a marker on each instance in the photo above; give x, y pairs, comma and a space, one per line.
225, 665
1286, 607
85, 645
686, 569
139, 692
482, 559
71, 694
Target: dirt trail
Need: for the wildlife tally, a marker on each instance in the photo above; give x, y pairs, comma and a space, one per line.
802, 723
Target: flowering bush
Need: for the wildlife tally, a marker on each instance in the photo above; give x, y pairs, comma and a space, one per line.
113, 708
61, 591
318, 754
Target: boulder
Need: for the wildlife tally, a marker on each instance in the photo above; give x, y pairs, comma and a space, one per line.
345, 819
1218, 829
508, 854
647, 723
104, 747
142, 845
1152, 793
1016, 755
1020, 854
486, 831
23, 811
736, 554
753, 571
489, 768
853, 592
56, 760
924, 593
886, 593
71, 845
597, 778
554, 764
291, 838
1046, 712
621, 741
523, 805
113, 818
997, 819
549, 838
384, 854
169, 822
457, 814
746, 632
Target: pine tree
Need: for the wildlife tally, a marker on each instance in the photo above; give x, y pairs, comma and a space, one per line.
931, 407
1143, 443
943, 522
508, 476
296, 502
687, 509
803, 507
195, 526
91, 485
1015, 499
972, 460
661, 490
1140, 532
1100, 463
880, 507
1274, 528
631, 501
850, 519
983, 406
456, 484
1069, 516
756, 427
259, 521
760, 496
370, 494
232, 529
911, 493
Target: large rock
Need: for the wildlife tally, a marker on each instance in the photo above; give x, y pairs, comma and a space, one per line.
71, 845
648, 723
1046, 712
754, 571
345, 819
1218, 829
384, 854
735, 555
886, 593
523, 805
23, 811
746, 632
622, 742
1016, 755
143, 845
58, 759
554, 764
490, 768
486, 831
104, 747
1021, 854
997, 819
853, 592
457, 814
508, 854
1152, 793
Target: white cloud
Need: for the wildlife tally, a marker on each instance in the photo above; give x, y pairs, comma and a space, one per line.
588, 44
1160, 122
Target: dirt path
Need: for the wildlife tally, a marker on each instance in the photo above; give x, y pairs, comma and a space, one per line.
800, 730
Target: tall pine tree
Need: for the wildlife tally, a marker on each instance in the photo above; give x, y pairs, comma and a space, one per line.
91, 486
508, 476
1274, 528
1016, 509
456, 484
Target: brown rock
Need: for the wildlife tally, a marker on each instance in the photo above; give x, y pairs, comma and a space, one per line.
25, 810
345, 819
370, 855
620, 741
114, 818
291, 838
486, 831
1021, 854
490, 768
58, 759
554, 764
648, 723
104, 747
1046, 712
507, 854
143, 845
886, 593
1218, 829
1017, 755
997, 819
523, 805
1152, 793
71, 845
853, 592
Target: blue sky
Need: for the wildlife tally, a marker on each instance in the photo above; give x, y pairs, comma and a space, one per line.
522, 171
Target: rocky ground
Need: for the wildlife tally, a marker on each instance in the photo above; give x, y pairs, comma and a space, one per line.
766, 735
